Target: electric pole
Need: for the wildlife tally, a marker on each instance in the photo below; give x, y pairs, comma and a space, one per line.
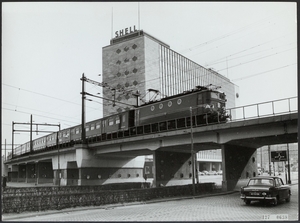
83, 134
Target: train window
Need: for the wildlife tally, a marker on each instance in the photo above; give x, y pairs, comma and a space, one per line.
123, 118
222, 95
87, 128
219, 105
98, 124
110, 121
117, 120
92, 126
77, 131
215, 95
152, 108
161, 106
170, 103
104, 123
179, 101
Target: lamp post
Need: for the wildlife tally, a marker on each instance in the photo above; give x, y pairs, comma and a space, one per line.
289, 168
192, 150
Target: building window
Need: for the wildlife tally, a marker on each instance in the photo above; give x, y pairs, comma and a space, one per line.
118, 51
134, 46
134, 58
126, 72
126, 49
118, 62
126, 60
135, 83
118, 74
134, 70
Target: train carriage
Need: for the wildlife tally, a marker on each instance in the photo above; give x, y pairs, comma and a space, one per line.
117, 122
75, 134
39, 144
51, 140
64, 136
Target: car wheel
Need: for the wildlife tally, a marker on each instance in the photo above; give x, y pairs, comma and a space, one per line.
288, 199
248, 202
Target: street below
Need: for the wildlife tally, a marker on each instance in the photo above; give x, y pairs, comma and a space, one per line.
225, 207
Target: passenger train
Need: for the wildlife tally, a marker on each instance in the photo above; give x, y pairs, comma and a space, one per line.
166, 114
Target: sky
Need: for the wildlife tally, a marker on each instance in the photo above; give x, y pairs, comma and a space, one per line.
46, 47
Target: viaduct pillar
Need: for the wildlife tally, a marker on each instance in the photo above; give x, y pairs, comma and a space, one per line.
239, 164
171, 168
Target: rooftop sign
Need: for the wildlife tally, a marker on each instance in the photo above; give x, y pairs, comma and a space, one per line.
125, 31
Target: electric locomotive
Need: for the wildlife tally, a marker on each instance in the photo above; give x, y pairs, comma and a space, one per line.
208, 106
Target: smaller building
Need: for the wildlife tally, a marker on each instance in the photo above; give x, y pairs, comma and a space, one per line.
264, 160
209, 160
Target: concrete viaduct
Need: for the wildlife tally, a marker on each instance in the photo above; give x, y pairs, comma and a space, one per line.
171, 152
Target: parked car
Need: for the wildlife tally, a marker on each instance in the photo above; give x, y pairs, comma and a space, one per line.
201, 173
205, 172
212, 172
265, 189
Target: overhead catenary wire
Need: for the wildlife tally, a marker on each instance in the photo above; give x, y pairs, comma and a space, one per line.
230, 33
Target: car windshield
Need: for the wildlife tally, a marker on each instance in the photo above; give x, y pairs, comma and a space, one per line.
261, 182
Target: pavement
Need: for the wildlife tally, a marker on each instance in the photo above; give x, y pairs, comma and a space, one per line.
13, 216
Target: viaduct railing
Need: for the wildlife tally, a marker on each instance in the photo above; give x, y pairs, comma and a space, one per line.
270, 108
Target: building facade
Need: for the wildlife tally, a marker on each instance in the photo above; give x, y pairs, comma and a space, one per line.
137, 63
264, 161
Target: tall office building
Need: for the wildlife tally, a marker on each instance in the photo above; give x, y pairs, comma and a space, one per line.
137, 61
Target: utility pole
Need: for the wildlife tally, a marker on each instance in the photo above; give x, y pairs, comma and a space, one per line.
4, 150
12, 144
83, 134
31, 145
192, 151
289, 168
269, 153
30, 131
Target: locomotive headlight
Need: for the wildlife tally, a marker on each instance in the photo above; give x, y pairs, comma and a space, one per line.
264, 193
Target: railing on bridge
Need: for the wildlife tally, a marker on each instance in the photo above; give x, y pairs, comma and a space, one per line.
271, 108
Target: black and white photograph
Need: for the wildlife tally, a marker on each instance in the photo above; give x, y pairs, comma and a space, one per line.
149, 111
